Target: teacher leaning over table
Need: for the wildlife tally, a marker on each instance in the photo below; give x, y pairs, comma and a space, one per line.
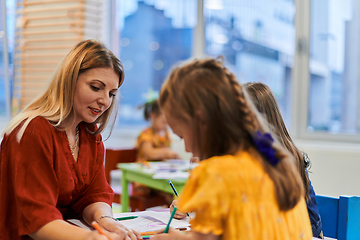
52, 153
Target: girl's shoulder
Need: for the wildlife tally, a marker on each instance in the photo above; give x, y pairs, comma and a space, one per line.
242, 162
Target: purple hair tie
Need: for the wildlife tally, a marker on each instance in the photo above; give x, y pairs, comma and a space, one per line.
263, 143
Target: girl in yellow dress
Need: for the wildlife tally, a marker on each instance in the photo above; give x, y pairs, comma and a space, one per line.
246, 185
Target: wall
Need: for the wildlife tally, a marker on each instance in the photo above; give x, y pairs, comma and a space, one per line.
335, 166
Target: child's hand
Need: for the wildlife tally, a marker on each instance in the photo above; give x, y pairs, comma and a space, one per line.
178, 214
170, 154
194, 160
172, 234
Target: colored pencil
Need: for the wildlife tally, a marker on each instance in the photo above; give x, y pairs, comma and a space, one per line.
147, 233
173, 188
126, 218
171, 217
98, 228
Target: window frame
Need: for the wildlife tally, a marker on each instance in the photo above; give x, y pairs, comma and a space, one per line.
6, 63
301, 81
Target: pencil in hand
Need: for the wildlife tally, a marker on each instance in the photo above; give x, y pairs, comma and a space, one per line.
98, 228
173, 188
171, 217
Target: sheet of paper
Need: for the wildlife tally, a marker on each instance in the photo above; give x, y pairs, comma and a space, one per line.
146, 221
151, 221
80, 223
170, 175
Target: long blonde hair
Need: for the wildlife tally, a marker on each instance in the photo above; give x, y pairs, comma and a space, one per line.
56, 102
265, 102
204, 92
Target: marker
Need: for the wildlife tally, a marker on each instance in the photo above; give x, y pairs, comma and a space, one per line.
171, 217
126, 218
173, 188
98, 228
144, 234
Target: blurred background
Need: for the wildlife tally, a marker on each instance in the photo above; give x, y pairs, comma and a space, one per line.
307, 51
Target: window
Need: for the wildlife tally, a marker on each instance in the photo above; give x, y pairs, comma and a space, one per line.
257, 39
334, 67
7, 22
154, 35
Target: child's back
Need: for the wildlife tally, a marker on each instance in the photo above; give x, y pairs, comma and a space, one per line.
234, 197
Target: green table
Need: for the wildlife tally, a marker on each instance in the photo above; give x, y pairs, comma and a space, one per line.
134, 172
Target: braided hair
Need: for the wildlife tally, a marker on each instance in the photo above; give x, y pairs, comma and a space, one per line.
205, 95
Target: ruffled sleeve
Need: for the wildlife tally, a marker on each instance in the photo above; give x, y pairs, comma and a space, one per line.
203, 195
145, 136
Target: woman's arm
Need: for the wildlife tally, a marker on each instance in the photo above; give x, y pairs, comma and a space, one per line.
152, 153
61, 230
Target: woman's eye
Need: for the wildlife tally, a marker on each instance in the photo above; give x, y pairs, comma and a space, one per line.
95, 88
112, 95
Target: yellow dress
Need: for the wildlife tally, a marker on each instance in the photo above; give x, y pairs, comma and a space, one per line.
232, 196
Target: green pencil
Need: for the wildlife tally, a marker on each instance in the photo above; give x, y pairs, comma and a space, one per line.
126, 218
171, 217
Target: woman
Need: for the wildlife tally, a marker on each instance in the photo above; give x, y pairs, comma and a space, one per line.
52, 153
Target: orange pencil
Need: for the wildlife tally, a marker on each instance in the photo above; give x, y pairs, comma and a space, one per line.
148, 233
98, 228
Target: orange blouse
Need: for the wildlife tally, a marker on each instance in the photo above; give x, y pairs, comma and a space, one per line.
40, 181
232, 196
157, 141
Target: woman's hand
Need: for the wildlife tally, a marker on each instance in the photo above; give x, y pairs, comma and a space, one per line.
178, 214
116, 228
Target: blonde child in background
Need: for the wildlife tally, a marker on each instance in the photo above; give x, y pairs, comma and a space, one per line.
153, 144
246, 185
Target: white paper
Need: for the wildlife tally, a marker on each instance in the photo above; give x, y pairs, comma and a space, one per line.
171, 175
151, 221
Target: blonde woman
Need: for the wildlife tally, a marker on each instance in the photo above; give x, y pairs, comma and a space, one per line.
52, 153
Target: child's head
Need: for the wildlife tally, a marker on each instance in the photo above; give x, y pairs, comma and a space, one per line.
207, 97
152, 112
204, 104
265, 102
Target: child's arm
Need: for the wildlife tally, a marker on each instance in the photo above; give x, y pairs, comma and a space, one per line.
152, 153
177, 235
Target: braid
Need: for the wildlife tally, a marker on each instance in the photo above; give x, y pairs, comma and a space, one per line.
249, 117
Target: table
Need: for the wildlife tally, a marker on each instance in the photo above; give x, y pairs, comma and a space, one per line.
135, 172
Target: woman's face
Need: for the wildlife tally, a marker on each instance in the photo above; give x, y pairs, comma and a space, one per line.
94, 93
